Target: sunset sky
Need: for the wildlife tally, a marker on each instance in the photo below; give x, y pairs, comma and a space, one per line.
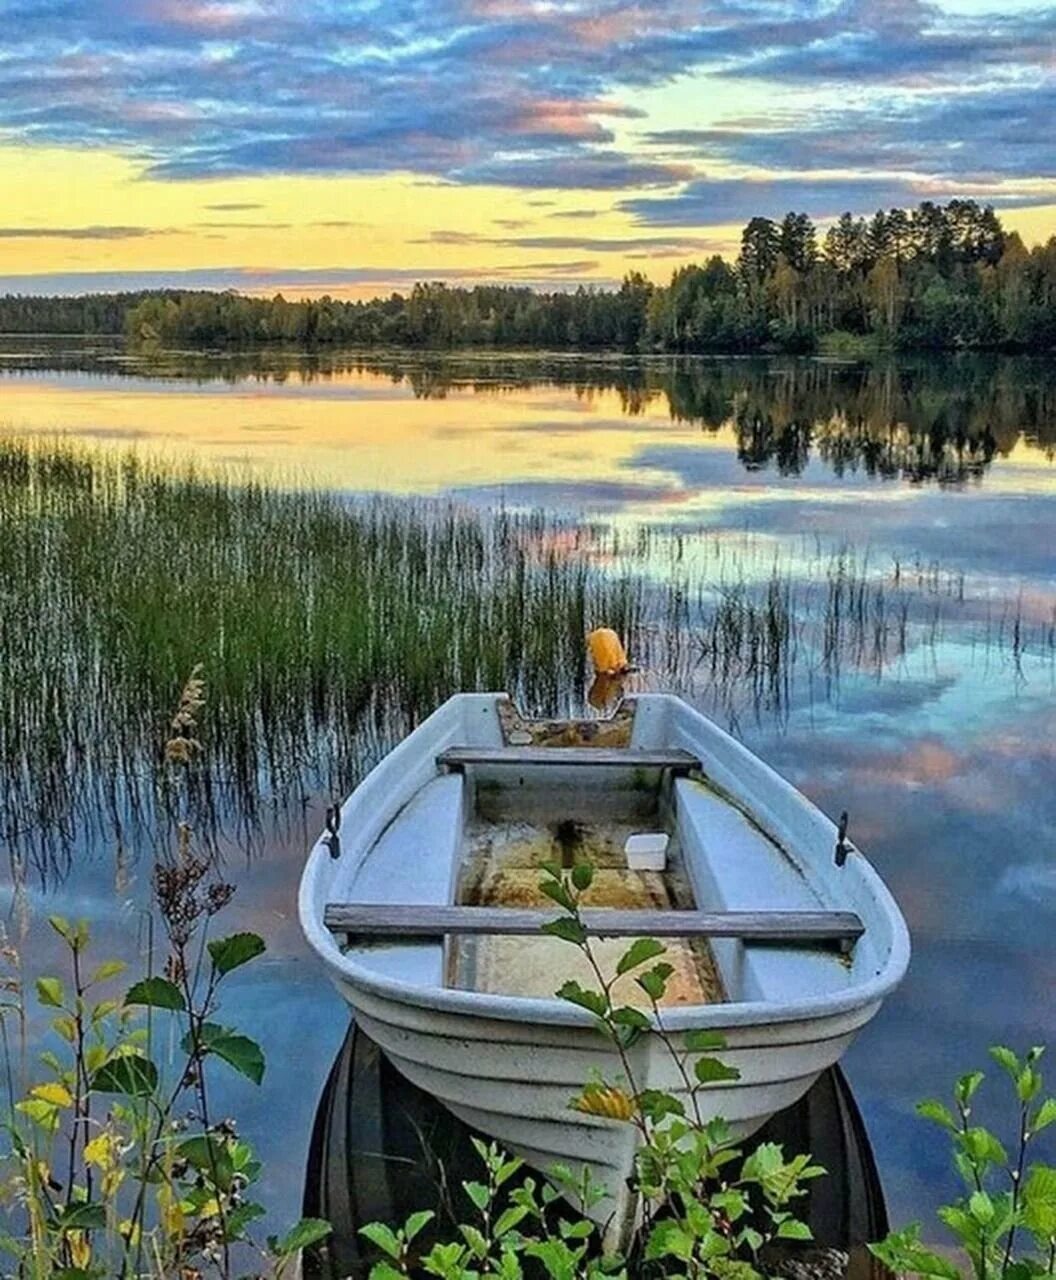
352, 148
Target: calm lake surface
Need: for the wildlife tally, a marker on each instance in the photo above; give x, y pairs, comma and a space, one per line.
935, 474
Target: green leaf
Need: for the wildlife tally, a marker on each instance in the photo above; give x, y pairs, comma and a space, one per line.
751, 1238
967, 1085
109, 969
567, 929
506, 1221
307, 1232
932, 1109
628, 1016
1028, 1086
981, 1145
478, 1193
238, 1051
704, 1041
382, 1237
793, 1229
902, 1252
712, 1071
586, 999
130, 1074
444, 1260
981, 1207
1005, 1058
654, 1104
475, 1239
507, 1169
1039, 1204
211, 1157
82, 1217
156, 993
654, 981
1044, 1116
583, 875
385, 1271
417, 1223
238, 949
62, 927
669, 1240
734, 1204
639, 953
49, 992
239, 1218
581, 1230
556, 892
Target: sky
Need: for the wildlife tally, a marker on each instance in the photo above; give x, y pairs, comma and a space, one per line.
312, 147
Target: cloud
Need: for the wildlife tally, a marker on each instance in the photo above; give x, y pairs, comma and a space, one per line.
589, 244
938, 136
535, 95
554, 276
77, 233
907, 42
725, 200
718, 200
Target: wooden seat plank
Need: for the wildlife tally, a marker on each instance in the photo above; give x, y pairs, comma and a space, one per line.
625, 757
396, 920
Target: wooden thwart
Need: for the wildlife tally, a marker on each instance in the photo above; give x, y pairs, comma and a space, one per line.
627, 757
391, 920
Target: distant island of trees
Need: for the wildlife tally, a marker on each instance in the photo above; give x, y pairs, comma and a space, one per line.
937, 277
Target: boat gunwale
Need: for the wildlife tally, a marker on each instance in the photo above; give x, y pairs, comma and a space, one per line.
553, 1010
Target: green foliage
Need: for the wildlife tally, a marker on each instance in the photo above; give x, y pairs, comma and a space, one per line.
937, 276
708, 1211
510, 1221
230, 953
1006, 1202
156, 993
116, 1167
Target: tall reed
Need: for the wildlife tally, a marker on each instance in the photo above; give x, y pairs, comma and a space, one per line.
328, 626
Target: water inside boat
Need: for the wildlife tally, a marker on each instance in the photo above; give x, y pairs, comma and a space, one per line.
478, 831
514, 828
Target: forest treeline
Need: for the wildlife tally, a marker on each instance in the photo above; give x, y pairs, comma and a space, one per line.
940, 277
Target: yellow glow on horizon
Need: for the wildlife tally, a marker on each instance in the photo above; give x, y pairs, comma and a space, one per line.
293, 222
330, 222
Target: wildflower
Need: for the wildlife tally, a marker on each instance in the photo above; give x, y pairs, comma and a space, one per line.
183, 745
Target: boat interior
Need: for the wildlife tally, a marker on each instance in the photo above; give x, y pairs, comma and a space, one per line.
479, 831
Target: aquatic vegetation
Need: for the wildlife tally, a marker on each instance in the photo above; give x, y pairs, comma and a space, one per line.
330, 626
113, 1165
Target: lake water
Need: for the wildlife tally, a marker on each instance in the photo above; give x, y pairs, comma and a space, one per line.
936, 475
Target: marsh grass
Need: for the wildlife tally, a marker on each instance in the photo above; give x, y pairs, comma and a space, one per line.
329, 626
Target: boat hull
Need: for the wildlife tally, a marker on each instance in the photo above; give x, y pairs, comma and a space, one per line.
508, 1060
514, 1081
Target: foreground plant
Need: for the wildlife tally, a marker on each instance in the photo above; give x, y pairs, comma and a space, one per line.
707, 1210
117, 1165
1005, 1221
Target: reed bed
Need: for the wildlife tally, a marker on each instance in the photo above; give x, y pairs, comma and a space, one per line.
327, 627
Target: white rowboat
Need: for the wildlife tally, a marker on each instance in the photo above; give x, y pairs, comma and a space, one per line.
421, 899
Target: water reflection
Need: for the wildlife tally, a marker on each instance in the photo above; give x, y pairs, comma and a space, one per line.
915, 686
937, 419
382, 1149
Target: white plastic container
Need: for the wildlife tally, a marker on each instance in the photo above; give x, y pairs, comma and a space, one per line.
646, 852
